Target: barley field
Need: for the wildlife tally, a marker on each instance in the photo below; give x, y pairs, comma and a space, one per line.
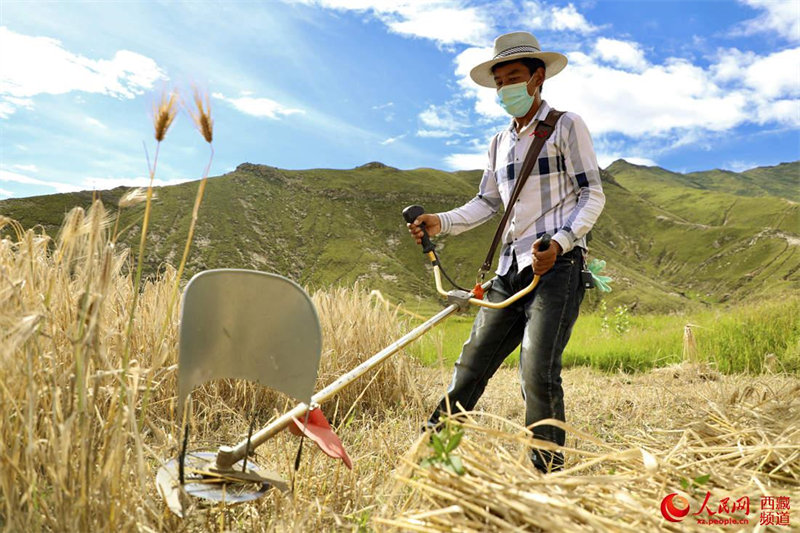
88, 405
88, 366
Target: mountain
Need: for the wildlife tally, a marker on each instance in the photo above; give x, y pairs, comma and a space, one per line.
782, 180
670, 240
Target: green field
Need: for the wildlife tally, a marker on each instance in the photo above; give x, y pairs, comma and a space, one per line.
736, 339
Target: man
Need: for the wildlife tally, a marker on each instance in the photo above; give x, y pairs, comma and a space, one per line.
563, 197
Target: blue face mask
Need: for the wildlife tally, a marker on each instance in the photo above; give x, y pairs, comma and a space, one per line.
515, 98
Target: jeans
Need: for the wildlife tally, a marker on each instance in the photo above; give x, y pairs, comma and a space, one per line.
542, 323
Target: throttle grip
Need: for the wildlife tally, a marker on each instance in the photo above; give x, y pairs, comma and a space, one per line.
410, 214
545, 244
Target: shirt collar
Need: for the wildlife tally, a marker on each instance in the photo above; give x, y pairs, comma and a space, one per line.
541, 114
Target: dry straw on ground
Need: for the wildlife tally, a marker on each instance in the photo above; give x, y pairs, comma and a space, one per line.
747, 440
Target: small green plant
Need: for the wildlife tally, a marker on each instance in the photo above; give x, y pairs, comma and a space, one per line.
691, 485
619, 322
622, 319
442, 445
360, 520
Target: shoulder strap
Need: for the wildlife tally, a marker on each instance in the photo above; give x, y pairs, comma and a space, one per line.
542, 132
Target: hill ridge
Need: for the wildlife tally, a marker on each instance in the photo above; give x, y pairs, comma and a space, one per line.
668, 243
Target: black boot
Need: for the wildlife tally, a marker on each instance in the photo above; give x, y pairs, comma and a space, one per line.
547, 461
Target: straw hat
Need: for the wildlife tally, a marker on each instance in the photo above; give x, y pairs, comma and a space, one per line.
517, 45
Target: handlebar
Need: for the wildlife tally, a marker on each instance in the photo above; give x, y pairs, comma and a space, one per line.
411, 213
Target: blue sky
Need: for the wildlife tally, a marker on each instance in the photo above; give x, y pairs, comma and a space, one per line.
338, 83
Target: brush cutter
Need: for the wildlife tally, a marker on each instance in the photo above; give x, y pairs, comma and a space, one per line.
243, 324
459, 296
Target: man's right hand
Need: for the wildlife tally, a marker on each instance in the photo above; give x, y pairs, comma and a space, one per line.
432, 224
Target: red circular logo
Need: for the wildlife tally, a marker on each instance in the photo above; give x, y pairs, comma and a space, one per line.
674, 507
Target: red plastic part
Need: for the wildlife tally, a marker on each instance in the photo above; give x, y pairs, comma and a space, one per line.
478, 291
319, 430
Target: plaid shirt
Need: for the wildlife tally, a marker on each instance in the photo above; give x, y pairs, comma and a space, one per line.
563, 195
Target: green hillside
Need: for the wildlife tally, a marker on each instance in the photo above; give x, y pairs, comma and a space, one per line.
670, 240
782, 180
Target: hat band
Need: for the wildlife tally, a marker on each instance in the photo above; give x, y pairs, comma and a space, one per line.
517, 50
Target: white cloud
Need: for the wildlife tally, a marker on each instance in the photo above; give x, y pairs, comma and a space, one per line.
485, 99
731, 63
88, 183
623, 54
660, 99
95, 123
437, 118
134, 181
770, 83
465, 161
776, 74
604, 160
14, 177
434, 134
446, 22
40, 65
739, 165
447, 25
259, 107
645, 161
9, 104
5, 194
568, 18
386, 110
782, 111
614, 87
25, 168
390, 140
678, 97
441, 121
537, 15
6, 109
769, 76
655, 107
778, 16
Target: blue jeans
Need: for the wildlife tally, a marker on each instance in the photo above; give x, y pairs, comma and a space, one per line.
542, 323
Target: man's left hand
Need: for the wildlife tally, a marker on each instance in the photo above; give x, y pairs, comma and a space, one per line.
544, 260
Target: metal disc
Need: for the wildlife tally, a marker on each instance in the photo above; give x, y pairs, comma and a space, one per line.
202, 481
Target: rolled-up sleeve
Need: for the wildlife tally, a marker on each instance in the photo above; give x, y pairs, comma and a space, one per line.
582, 168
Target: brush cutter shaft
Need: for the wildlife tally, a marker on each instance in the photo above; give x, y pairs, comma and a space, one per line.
227, 456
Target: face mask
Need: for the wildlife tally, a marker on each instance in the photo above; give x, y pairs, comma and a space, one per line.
515, 98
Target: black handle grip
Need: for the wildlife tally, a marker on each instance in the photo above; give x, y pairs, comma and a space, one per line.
545, 244
410, 214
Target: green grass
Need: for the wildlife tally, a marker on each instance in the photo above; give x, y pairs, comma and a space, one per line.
737, 339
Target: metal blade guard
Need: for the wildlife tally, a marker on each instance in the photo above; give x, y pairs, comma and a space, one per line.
239, 324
